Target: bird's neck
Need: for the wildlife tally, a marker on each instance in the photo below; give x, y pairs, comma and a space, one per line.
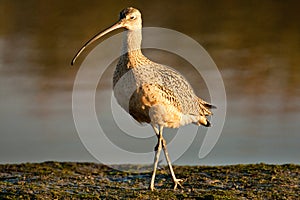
132, 40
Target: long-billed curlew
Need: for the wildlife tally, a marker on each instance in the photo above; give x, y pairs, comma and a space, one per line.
159, 95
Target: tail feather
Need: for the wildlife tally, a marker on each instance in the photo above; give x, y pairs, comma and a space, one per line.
206, 104
203, 121
204, 108
208, 124
204, 111
210, 106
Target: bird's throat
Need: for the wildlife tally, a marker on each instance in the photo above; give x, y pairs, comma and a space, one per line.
132, 40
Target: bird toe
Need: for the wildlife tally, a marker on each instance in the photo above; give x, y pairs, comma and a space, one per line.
177, 183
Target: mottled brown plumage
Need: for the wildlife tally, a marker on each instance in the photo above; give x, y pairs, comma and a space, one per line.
152, 93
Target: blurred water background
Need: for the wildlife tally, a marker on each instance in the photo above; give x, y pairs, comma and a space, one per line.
255, 44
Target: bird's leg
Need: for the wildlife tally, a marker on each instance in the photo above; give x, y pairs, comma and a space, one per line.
156, 130
175, 180
156, 158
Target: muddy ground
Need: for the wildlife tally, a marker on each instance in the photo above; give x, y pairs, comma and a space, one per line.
65, 180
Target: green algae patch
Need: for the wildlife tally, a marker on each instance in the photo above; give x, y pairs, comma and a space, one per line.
66, 180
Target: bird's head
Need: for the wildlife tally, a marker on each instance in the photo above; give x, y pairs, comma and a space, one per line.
130, 18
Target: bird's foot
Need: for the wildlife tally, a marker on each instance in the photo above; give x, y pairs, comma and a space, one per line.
177, 183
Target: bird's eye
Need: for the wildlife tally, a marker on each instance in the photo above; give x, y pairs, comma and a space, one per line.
132, 17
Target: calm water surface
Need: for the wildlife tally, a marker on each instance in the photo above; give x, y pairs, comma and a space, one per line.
255, 45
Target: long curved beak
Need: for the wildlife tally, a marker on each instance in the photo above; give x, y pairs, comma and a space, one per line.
117, 25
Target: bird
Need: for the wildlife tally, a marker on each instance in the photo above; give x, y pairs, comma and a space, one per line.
150, 92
